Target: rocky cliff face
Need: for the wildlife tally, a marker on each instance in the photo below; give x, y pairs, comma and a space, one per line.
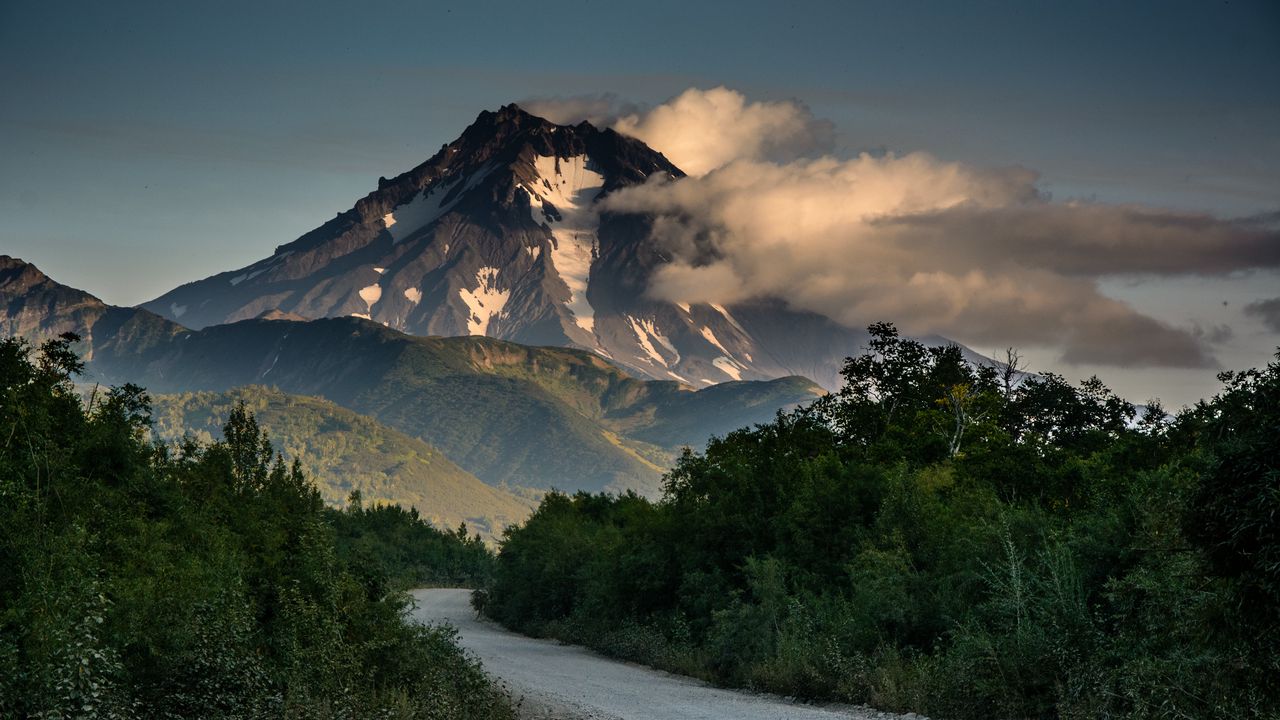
500, 234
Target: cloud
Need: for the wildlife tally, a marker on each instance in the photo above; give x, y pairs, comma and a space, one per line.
601, 110
1268, 311
1217, 334
1091, 239
980, 254
701, 130
938, 247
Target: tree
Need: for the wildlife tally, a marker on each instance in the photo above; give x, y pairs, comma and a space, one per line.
960, 400
1235, 514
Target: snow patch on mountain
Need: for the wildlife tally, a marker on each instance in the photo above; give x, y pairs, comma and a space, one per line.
651, 327
721, 309
642, 335
177, 309
429, 205
413, 295
569, 185
485, 302
711, 338
728, 367
249, 275
261, 267
425, 208
371, 295
273, 365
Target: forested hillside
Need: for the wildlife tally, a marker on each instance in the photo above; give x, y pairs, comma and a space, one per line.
508, 414
345, 452
961, 542
204, 580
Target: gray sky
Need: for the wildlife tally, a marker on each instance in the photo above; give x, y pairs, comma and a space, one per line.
149, 144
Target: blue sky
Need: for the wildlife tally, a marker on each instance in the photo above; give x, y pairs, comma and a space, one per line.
149, 144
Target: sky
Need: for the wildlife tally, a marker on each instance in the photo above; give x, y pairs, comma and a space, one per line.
143, 145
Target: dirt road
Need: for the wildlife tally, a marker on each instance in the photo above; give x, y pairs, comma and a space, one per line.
562, 681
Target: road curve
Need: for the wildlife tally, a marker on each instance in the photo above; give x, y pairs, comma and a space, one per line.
551, 680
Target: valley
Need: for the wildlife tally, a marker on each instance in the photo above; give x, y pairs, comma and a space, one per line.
601, 411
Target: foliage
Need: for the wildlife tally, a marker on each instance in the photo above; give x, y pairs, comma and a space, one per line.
345, 452
391, 544
139, 580
952, 540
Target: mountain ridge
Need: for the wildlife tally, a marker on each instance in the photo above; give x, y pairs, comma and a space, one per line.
343, 451
37, 307
532, 416
508, 413
500, 234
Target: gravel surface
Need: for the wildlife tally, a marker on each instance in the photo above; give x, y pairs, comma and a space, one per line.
565, 682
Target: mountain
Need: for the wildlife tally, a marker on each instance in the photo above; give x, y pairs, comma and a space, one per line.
510, 414
507, 413
35, 307
345, 451
499, 235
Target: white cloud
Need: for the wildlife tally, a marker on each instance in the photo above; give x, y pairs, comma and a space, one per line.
937, 247
701, 130
601, 109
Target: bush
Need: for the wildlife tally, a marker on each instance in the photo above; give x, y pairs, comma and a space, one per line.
957, 541
197, 581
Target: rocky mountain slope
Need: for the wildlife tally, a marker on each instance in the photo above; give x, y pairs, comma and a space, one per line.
36, 307
508, 413
500, 234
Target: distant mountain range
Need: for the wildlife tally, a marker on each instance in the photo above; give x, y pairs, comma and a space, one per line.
499, 235
512, 414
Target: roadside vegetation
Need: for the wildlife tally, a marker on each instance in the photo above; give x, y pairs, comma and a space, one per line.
207, 580
957, 541
389, 544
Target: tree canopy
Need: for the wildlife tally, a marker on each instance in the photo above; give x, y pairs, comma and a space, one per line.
200, 580
943, 537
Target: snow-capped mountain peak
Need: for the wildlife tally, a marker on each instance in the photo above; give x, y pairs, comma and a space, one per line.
500, 234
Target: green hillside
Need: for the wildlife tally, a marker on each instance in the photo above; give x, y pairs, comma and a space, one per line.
345, 451
507, 413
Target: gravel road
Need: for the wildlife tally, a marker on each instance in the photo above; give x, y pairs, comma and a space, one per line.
564, 682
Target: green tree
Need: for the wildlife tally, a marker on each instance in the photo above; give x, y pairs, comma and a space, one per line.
139, 580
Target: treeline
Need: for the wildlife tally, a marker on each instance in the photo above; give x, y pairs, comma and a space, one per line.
958, 541
396, 547
203, 580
